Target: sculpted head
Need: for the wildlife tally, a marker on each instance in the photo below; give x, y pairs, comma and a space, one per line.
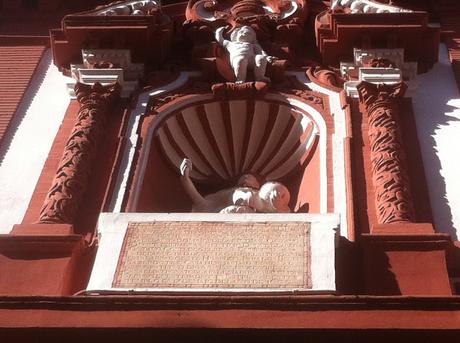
244, 34
248, 180
277, 195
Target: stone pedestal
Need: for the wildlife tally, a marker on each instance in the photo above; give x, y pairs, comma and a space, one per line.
404, 263
45, 265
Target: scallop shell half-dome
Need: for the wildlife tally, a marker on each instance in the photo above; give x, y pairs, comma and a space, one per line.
226, 139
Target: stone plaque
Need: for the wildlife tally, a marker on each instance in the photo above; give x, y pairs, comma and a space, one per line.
215, 255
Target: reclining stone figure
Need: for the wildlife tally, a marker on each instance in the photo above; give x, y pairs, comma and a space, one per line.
246, 197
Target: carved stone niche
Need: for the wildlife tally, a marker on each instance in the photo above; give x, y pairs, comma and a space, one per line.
227, 138
107, 66
152, 243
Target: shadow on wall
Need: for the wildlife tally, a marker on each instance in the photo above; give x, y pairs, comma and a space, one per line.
35, 83
437, 115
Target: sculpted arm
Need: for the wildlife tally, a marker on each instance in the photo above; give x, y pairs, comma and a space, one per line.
192, 192
220, 37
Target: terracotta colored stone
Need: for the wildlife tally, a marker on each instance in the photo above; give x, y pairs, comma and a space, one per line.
64, 197
215, 256
393, 198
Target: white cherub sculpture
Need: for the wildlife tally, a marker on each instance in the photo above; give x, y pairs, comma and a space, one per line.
245, 197
245, 52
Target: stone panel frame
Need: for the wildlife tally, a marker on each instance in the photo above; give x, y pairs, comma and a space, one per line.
113, 227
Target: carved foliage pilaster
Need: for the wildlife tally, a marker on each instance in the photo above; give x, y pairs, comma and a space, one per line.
393, 197
64, 197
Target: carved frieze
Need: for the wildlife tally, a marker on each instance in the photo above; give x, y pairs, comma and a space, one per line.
69, 185
393, 199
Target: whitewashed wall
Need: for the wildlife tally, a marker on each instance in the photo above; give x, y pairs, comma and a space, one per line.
437, 114
37, 120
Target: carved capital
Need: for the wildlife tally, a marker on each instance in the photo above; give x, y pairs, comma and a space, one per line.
380, 62
97, 93
376, 95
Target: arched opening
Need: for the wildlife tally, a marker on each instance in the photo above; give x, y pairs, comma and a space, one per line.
226, 139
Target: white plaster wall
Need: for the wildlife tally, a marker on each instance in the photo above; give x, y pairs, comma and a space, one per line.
24, 153
437, 112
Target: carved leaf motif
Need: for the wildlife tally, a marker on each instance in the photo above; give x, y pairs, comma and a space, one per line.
393, 198
65, 195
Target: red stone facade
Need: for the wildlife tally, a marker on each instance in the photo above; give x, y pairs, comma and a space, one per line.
395, 273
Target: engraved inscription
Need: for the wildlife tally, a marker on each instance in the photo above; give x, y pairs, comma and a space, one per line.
215, 255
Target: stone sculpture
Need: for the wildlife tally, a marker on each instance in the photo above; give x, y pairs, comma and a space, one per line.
246, 197
245, 53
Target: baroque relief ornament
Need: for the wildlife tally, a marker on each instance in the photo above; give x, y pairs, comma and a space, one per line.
393, 198
239, 11
66, 193
325, 76
261, 28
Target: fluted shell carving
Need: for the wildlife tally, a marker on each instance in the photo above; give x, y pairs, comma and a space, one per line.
230, 138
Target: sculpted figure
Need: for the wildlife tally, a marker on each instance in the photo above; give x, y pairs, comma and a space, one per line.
245, 197
245, 52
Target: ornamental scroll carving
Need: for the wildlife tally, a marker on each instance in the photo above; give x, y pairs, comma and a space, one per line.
326, 77
389, 174
65, 195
